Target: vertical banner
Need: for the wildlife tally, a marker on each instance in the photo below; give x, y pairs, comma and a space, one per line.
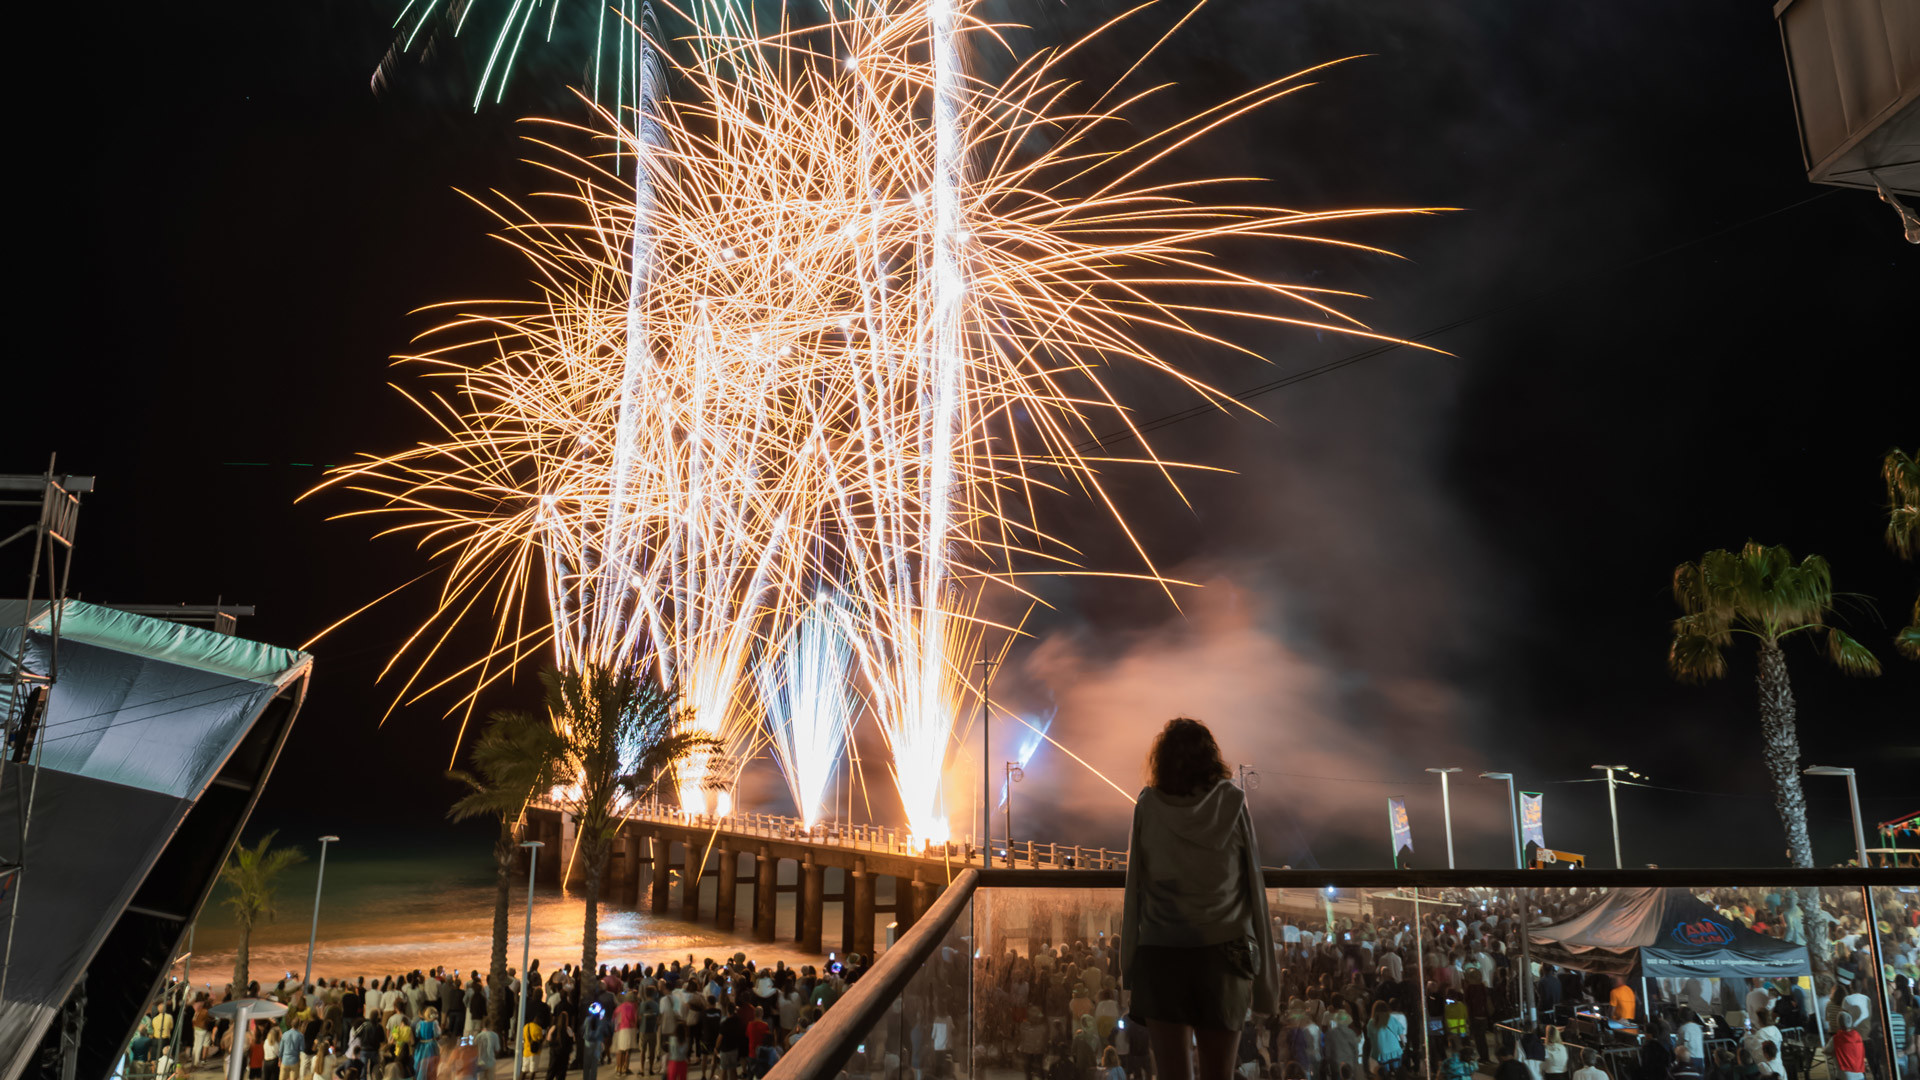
1532, 819
1402, 831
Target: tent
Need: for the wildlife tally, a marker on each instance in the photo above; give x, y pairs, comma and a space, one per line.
1664, 934
155, 743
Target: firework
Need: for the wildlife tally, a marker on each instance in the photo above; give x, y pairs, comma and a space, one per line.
837, 334
806, 687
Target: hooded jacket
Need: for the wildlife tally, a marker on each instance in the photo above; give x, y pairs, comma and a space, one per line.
1193, 879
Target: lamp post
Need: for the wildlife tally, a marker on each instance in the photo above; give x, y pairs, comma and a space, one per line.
526, 952
1513, 814
1015, 774
186, 974
1446, 810
313, 932
1613, 805
1853, 797
1881, 1007
1526, 901
986, 778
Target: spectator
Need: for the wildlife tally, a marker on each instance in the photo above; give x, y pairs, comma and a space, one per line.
1849, 1051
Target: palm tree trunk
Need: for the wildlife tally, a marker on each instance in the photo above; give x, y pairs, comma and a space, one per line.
240, 959
596, 855
503, 849
1780, 734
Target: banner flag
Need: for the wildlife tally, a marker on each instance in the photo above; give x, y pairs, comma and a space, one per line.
1532, 818
1397, 821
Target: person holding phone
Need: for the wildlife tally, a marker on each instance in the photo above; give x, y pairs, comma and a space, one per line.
1196, 940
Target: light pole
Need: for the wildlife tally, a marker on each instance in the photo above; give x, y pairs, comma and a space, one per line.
1446, 810
319, 880
1526, 902
1853, 797
526, 952
986, 778
1613, 805
180, 1007
1513, 813
1015, 774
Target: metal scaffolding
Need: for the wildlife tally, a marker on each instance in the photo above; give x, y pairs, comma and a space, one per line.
54, 499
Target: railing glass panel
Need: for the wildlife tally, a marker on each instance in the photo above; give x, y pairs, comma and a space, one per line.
1715, 970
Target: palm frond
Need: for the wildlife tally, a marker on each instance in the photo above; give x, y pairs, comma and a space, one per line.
517, 757
1849, 655
1907, 641
253, 877
1759, 589
1901, 471
1696, 659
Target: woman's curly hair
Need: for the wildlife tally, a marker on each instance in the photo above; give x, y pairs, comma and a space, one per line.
1184, 759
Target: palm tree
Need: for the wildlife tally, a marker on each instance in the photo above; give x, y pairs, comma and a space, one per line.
254, 876
517, 758
1761, 592
1901, 471
623, 734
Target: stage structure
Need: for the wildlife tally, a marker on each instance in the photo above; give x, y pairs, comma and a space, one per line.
128, 779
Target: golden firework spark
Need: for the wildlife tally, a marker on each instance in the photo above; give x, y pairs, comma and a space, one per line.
838, 335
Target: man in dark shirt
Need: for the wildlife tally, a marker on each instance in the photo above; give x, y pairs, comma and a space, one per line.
1509, 1069
732, 1043
1547, 993
453, 1005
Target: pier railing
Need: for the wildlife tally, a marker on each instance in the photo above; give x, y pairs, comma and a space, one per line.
1024, 854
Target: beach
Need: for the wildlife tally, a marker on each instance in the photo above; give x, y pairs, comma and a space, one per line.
391, 909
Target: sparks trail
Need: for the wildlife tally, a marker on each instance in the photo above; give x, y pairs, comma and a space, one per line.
813, 343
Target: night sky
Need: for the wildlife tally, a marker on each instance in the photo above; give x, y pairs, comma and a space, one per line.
1663, 340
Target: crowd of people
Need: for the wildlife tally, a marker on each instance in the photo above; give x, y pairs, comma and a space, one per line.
1352, 993
731, 1020
1352, 989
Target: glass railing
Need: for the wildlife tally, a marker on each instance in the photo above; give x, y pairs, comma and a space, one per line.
1395, 975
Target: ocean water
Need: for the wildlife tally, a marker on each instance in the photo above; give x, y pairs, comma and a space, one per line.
391, 910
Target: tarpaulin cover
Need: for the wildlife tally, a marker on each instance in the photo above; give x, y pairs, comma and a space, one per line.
1664, 933
148, 703
142, 718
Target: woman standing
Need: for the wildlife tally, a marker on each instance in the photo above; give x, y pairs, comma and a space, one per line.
1555, 1065
1196, 942
560, 1045
426, 1038
626, 1032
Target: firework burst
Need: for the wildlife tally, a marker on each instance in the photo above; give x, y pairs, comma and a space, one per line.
837, 335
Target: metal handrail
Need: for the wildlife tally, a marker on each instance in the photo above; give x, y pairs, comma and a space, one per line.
1783, 876
827, 1046
875, 838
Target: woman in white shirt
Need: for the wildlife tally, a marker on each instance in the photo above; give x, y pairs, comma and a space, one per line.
1555, 1065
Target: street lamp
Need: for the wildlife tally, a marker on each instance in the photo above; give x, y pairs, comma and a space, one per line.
1613, 804
986, 778
526, 952
1853, 797
1446, 810
1513, 812
1015, 774
319, 880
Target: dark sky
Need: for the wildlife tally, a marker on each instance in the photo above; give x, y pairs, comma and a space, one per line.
1663, 340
